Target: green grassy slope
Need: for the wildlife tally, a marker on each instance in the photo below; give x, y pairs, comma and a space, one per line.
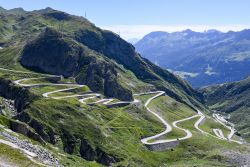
118, 131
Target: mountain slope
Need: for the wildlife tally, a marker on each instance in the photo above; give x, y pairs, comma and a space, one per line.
205, 58
68, 58
101, 44
232, 98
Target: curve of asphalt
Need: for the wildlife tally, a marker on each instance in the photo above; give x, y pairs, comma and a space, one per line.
219, 133
223, 122
168, 127
202, 119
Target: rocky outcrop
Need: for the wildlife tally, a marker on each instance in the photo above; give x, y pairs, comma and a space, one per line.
101, 76
91, 154
236, 158
51, 53
41, 153
22, 128
46, 133
113, 47
86, 150
54, 53
2, 109
121, 104
8, 106
21, 96
57, 15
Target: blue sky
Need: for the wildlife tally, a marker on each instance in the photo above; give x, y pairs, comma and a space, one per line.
134, 18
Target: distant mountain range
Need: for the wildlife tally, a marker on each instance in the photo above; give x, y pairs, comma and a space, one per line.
203, 58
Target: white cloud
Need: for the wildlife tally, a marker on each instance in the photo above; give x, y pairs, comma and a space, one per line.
138, 31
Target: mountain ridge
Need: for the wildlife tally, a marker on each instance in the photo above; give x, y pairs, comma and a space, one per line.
110, 46
215, 57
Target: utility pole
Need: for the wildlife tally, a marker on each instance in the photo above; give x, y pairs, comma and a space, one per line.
85, 15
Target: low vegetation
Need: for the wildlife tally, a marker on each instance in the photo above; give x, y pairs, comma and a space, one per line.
233, 99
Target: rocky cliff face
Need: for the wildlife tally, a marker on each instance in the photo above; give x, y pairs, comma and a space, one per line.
21, 96
113, 47
91, 154
53, 53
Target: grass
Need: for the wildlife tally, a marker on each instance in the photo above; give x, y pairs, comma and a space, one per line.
81, 90
211, 124
111, 129
201, 150
118, 131
47, 80
171, 111
4, 121
13, 156
9, 58
176, 111
17, 75
144, 98
45, 89
37, 81
130, 81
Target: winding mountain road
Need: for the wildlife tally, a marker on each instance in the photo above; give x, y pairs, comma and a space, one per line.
168, 128
223, 122
71, 86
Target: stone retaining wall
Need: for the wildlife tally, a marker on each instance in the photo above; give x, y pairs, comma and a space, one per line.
163, 146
